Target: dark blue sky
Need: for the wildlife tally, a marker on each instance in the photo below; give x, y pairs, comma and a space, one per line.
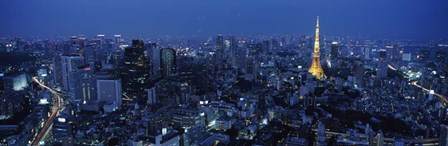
148, 18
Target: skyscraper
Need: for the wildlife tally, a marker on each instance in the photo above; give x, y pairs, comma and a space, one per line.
219, 41
381, 71
321, 138
443, 140
167, 61
234, 51
2, 87
62, 131
219, 52
359, 74
117, 40
70, 64
383, 54
100, 38
154, 56
394, 52
316, 69
57, 70
334, 51
90, 54
85, 84
134, 71
379, 138
366, 53
109, 91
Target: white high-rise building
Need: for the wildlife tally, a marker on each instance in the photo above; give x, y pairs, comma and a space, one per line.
86, 83
406, 57
366, 53
70, 64
321, 139
380, 138
109, 91
16, 81
117, 40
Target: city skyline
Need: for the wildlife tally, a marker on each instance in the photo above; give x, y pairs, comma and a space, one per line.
209, 73
143, 19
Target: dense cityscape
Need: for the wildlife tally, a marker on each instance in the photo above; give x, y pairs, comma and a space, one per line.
285, 90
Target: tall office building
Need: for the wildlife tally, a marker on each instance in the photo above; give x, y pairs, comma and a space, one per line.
134, 71
117, 40
100, 38
366, 53
109, 92
154, 55
62, 131
316, 69
2, 87
443, 139
334, 50
90, 54
57, 70
321, 138
219, 41
359, 74
70, 64
85, 91
234, 51
381, 71
379, 138
406, 57
76, 44
152, 96
218, 56
167, 61
370, 135
394, 52
382, 55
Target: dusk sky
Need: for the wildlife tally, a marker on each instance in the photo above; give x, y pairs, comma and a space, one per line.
148, 18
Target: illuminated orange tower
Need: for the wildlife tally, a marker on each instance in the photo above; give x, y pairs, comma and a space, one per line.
316, 68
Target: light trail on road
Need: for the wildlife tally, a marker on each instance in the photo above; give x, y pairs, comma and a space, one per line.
391, 67
425, 141
54, 111
442, 97
45, 128
54, 92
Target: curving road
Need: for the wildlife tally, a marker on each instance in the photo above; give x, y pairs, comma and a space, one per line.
54, 111
441, 97
414, 83
430, 141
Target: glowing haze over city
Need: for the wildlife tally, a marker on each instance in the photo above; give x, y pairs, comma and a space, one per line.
209, 73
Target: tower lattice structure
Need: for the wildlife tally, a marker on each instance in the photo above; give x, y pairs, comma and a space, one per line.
316, 69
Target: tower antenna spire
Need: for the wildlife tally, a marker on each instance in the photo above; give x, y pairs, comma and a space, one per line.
316, 69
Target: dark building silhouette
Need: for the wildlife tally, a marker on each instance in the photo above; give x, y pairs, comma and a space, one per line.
334, 51
383, 55
167, 61
2, 87
443, 140
382, 65
153, 53
220, 41
134, 71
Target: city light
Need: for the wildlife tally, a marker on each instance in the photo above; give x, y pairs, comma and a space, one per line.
154, 73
